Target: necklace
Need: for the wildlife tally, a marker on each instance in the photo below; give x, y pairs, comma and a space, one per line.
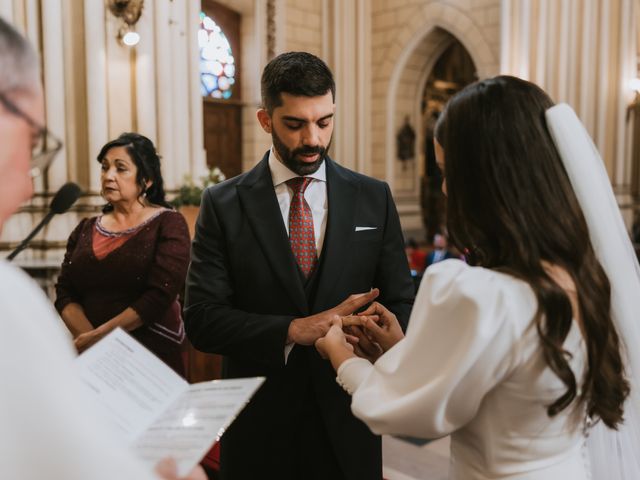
121, 233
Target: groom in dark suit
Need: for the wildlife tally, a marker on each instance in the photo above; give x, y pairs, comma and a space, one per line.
278, 251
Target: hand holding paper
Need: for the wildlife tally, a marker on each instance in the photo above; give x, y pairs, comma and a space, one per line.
152, 408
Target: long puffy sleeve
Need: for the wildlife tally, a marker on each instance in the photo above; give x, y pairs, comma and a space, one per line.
461, 341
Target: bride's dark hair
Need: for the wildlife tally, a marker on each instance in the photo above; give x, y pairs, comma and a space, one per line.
510, 201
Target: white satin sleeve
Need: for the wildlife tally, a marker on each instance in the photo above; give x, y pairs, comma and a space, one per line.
461, 341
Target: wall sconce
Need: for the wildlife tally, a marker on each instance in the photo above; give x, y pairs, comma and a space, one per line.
128, 11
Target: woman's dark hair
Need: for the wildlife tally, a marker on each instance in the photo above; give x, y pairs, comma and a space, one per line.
296, 73
511, 203
144, 155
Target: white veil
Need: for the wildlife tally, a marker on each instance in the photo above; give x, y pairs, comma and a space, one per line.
614, 455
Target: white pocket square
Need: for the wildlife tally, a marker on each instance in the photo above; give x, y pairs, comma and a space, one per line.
362, 229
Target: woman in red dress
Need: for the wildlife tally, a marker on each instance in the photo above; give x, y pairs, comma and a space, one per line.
126, 267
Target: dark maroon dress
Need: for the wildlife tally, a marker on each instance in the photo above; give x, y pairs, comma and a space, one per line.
146, 273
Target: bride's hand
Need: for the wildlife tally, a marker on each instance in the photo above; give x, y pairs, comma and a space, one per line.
381, 326
334, 340
335, 345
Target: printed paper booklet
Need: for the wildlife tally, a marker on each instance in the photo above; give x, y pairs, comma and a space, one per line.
152, 408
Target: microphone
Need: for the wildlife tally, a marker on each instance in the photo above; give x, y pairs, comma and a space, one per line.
61, 202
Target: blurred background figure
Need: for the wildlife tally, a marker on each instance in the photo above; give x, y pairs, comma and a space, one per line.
416, 255
440, 250
125, 268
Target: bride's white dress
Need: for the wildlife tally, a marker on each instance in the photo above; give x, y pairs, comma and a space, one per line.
471, 366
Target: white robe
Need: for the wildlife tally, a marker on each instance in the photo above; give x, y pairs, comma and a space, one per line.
48, 429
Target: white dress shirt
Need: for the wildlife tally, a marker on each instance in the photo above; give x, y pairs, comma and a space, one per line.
315, 195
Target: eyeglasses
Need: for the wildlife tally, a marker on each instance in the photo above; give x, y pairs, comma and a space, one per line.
46, 146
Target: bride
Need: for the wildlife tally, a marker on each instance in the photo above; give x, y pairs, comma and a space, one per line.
520, 356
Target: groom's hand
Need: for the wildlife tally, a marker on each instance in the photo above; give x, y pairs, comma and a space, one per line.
306, 330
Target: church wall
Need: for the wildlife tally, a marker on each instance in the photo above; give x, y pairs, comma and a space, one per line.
406, 35
304, 26
381, 52
96, 89
581, 53
297, 26
395, 26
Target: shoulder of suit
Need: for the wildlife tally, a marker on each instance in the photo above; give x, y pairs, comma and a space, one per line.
229, 183
358, 177
224, 192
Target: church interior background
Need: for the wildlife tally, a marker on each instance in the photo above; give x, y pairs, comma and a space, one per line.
191, 84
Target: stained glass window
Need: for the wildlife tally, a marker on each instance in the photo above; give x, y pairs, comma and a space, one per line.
217, 65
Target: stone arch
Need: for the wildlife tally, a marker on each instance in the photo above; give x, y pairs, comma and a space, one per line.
431, 29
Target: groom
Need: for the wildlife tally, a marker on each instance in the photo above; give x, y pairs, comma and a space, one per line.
277, 251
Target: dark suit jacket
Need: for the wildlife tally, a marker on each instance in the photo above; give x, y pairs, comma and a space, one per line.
244, 288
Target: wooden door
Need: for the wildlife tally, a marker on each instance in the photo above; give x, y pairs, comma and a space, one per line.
223, 116
223, 136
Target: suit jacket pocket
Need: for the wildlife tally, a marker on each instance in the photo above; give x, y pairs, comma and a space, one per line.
368, 235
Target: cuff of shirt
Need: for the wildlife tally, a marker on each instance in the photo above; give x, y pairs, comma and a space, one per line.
352, 372
287, 350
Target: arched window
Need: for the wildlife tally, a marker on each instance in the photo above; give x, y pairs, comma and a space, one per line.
217, 64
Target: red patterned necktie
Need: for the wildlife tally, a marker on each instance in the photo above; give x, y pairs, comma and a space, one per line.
301, 236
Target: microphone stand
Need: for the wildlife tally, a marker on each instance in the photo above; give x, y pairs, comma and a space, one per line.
61, 202
23, 244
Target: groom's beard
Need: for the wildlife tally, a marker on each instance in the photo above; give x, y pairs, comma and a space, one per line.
290, 157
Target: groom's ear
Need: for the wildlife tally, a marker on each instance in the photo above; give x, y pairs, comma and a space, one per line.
265, 120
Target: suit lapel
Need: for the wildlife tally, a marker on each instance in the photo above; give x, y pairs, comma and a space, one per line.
259, 201
342, 193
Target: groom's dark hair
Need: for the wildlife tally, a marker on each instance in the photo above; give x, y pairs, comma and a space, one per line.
296, 73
